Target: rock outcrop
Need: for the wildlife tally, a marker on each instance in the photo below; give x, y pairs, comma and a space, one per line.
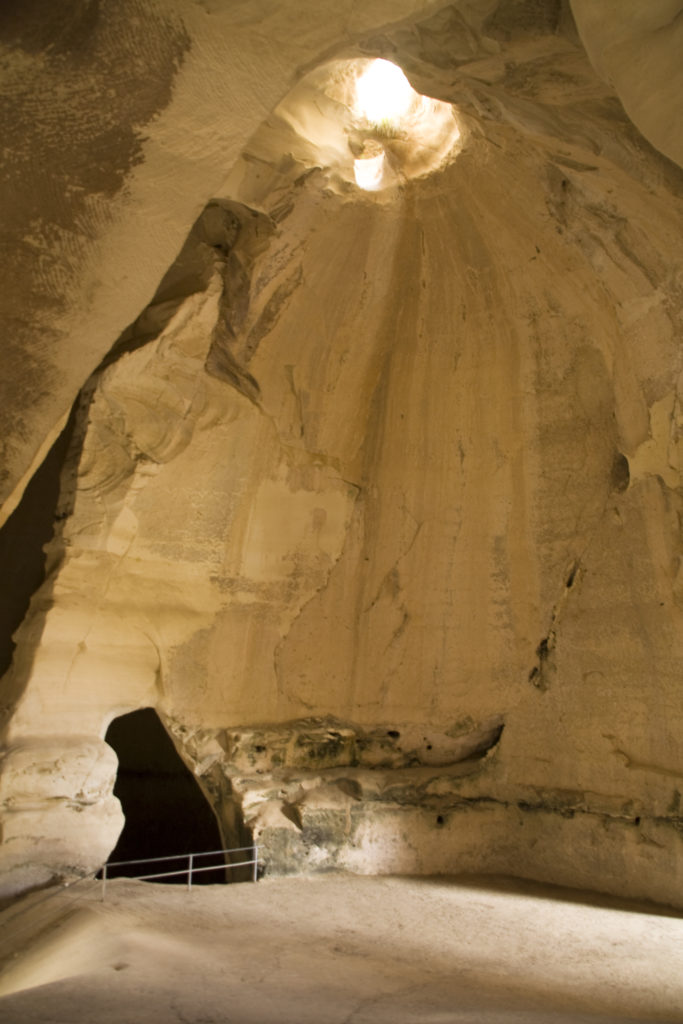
378, 501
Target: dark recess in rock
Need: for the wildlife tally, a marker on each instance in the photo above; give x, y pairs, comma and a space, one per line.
620, 475
210, 241
166, 812
22, 540
293, 813
350, 787
543, 651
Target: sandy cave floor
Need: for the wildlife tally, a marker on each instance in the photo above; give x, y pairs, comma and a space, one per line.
338, 949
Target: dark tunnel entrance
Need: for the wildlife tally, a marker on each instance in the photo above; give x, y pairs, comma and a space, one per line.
166, 812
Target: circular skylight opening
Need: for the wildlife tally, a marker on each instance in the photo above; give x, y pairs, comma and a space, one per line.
383, 94
356, 122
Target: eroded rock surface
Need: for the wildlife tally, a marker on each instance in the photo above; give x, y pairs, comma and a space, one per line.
120, 121
378, 502
637, 47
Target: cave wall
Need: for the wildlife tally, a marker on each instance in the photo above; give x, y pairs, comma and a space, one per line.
117, 115
636, 48
379, 501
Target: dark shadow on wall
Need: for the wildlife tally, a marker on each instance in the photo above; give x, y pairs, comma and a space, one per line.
22, 544
166, 812
49, 498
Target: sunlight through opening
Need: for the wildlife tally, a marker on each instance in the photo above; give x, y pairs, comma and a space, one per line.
383, 93
369, 167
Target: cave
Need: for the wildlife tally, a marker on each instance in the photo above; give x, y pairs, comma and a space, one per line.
166, 813
341, 434
373, 477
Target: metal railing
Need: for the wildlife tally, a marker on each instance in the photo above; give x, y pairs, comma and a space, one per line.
189, 868
16, 925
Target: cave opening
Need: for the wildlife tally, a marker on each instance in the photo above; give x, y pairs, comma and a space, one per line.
165, 809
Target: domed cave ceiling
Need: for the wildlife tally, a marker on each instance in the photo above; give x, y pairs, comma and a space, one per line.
372, 487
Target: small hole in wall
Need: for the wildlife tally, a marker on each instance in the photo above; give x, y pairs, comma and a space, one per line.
620, 474
439, 820
394, 733
429, 746
636, 821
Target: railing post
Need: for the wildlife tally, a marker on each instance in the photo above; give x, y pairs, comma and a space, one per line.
189, 872
104, 881
256, 863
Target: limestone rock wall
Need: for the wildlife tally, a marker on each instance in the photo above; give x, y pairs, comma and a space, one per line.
636, 47
117, 115
378, 503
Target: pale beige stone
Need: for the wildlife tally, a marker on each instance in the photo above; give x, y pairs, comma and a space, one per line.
637, 48
384, 516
